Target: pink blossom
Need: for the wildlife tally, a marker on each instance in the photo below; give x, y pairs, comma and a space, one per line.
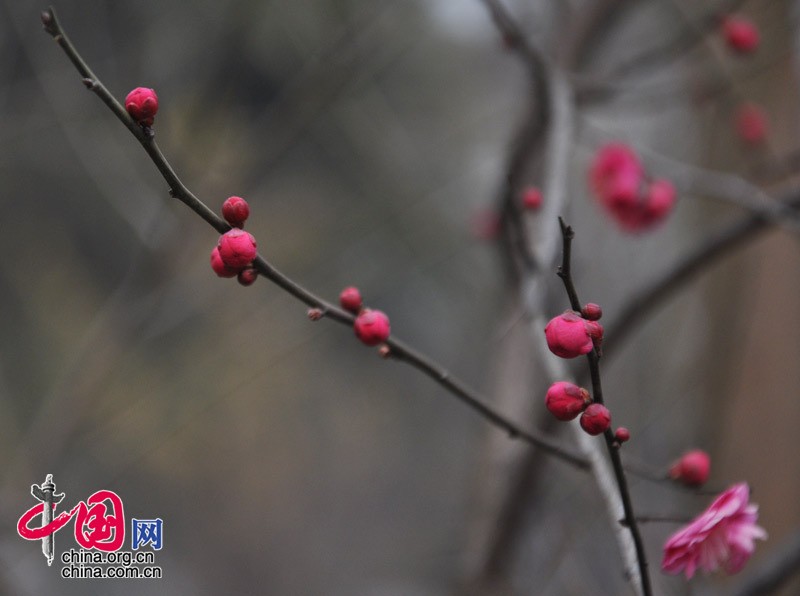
721, 536
618, 180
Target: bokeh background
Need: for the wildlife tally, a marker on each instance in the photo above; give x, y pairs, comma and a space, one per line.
371, 138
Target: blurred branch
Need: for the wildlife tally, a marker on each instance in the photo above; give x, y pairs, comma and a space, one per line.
642, 577
779, 567
599, 86
399, 350
654, 294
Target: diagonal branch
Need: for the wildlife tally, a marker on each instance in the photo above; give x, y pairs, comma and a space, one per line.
398, 349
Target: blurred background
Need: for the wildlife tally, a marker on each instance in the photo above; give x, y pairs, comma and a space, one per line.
371, 139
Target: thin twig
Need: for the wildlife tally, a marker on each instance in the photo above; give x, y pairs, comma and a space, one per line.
564, 272
399, 350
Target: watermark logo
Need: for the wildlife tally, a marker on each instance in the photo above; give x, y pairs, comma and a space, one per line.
99, 531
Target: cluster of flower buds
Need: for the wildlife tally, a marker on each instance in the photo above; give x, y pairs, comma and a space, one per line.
618, 180
692, 468
570, 335
740, 34
142, 105
567, 401
233, 256
370, 326
752, 124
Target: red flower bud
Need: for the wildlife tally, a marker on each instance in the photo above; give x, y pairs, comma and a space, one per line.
247, 277
622, 434
372, 327
142, 105
740, 34
219, 267
350, 299
567, 335
591, 312
595, 419
751, 123
565, 400
532, 198
692, 468
235, 210
237, 248
314, 314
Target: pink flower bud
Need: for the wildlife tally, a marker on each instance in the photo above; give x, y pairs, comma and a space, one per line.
247, 277
595, 331
740, 34
142, 105
372, 327
350, 299
591, 311
532, 198
622, 435
659, 200
219, 267
751, 123
692, 468
595, 419
615, 170
235, 210
567, 335
565, 400
237, 248
314, 314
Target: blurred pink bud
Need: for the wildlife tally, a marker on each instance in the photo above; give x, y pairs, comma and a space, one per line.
567, 335
237, 248
350, 299
219, 267
235, 210
595, 419
740, 34
693, 468
142, 105
532, 198
622, 435
372, 327
591, 311
566, 400
247, 277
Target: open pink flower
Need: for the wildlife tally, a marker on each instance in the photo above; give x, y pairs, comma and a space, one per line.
722, 535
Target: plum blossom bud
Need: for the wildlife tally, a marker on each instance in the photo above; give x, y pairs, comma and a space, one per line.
740, 34
591, 311
314, 314
692, 468
350, 299
532, 198
567, 335
219, 267
565, 400
142, 105
622, 434
247, 277
237, 248
752, 124
658, 202
595, 419
372, 327
235, 210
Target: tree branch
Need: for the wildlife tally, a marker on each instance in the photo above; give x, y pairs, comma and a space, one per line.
593, 357
399, 350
